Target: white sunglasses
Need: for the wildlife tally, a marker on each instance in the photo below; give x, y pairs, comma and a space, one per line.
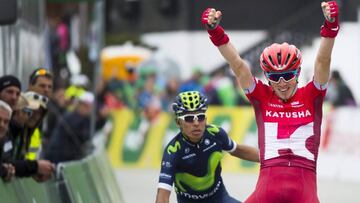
189, 118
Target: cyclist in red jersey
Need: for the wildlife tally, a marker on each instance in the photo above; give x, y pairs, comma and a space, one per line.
288, 117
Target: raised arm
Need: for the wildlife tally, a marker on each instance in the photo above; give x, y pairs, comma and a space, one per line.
328, 33
211, 19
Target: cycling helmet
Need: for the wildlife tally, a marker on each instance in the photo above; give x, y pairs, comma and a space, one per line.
189, 101
280, 58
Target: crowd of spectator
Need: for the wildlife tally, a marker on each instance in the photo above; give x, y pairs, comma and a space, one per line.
40, 127
151, 94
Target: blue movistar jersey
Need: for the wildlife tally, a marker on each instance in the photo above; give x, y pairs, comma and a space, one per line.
195, 168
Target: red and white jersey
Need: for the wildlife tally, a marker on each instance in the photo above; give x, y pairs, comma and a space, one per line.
288, 132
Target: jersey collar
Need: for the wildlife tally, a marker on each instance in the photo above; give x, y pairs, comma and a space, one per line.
188, 141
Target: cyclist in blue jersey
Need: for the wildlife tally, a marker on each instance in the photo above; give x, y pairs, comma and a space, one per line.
191, 160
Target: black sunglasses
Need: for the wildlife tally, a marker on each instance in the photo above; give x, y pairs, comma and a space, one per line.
287, 76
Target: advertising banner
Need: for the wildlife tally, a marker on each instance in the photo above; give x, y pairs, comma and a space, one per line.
135, 142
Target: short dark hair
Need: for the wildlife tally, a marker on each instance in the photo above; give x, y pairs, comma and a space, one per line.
39, 72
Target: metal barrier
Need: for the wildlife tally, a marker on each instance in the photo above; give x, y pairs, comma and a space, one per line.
88, 180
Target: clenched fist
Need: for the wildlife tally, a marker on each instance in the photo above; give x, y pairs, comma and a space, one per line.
331, 25
211, 18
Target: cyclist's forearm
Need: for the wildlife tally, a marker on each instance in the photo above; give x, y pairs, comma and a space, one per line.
247, 153
162, 196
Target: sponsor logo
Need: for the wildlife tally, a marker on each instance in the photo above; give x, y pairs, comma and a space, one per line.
276, 105
173, 148
187, 150
209, 147
294, 114
212, 129
188, 156
207, 141
201, 196
296, 104
166, 164
165, 176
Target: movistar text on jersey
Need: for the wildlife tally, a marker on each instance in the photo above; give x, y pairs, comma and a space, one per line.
203, 196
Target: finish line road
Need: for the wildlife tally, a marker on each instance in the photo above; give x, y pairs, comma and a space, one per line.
140, 186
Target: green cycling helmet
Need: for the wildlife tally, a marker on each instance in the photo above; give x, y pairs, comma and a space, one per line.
189, 101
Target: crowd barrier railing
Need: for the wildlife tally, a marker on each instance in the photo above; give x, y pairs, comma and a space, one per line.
88, 180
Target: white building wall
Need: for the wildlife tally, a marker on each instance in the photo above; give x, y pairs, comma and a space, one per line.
192, 49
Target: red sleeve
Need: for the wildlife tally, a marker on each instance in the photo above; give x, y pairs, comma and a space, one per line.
260, 91
314, 90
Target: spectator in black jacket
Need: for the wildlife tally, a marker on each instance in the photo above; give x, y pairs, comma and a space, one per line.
71, 137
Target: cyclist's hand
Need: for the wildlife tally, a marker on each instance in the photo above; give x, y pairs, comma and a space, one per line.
331, 11
211, 18
331, 25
